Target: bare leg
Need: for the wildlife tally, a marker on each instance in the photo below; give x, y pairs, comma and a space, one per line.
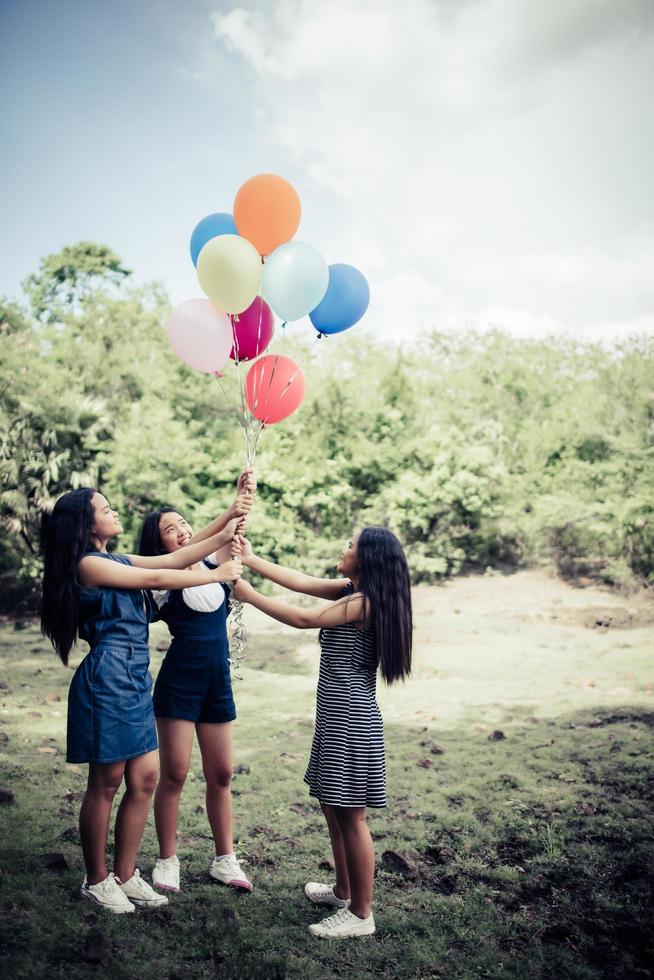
141, 776
175, 747
94, 814
342, 886
360, 855
216, 747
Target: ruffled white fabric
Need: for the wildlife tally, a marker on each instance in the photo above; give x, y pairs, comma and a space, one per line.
204, 598
201, 598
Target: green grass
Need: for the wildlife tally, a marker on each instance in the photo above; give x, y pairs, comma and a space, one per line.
526, 856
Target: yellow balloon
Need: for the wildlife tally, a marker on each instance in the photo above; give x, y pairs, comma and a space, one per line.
230, 272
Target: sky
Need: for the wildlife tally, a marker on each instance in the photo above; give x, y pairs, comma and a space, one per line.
483, 162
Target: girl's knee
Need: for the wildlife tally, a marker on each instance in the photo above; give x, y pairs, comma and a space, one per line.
105, 781
218, 776
105, 790
174, 777
351, 818
143, 784
149, 781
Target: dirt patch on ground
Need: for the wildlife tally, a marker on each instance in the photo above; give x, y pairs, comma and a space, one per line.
492, 647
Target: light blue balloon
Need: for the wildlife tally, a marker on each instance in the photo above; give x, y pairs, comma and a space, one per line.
345, 301
210, 227
295, 278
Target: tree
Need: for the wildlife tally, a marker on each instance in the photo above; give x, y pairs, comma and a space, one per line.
65, 278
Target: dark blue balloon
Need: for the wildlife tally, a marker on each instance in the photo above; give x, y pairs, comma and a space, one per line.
210, 227
345, 301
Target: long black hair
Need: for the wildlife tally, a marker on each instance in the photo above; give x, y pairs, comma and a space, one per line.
66, 536
150, 542
384, 581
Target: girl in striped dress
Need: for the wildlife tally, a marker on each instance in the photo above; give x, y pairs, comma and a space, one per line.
367, 624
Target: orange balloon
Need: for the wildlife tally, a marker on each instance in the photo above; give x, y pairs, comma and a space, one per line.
274, 388
267, 212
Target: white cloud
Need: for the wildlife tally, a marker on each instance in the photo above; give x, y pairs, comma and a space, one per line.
476, 159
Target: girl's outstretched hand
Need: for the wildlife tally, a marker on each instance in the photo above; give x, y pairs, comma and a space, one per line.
246, 483
230, 571
243, 591
226, 536
242, 505
244, 546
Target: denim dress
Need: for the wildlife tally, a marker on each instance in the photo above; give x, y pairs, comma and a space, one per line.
110, 716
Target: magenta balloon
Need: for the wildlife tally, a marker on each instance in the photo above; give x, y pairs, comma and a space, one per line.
200, 335
253, 330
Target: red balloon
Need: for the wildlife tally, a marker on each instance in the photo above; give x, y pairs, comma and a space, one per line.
253, 330
274, 388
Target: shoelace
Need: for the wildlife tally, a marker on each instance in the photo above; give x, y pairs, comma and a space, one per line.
142, 887
233, 867
336, 919
109, 887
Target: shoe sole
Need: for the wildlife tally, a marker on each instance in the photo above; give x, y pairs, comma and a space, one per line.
346, 935
115, 909
143, 904
165, 888
244, 886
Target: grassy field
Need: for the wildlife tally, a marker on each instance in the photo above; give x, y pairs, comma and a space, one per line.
517, 842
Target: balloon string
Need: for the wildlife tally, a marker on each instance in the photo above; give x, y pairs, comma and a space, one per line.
237, 627
237, 358
238, 636
255, 393
230, 403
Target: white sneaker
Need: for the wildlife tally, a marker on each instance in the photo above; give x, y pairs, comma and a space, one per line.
139, 892
230, 872
342, 925
108, 895
324, 895
165, 874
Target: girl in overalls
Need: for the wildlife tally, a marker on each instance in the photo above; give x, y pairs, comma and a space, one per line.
111, 727
366, 625
193, 693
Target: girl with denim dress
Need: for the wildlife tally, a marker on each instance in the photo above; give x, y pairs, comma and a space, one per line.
111, 727
193, 694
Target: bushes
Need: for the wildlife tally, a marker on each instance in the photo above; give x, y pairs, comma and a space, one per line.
475, 449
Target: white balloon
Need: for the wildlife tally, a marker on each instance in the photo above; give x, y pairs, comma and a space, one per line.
295, 279
200, 335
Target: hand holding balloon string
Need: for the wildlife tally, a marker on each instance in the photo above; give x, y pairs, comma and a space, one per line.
246, 488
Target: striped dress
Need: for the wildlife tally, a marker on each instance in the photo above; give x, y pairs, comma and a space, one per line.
347, 766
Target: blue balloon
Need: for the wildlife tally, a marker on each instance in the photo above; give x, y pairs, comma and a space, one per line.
210, 227
345, 301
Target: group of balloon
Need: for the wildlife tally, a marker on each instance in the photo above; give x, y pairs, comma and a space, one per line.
250, 270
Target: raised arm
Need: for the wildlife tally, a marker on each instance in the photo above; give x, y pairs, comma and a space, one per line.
348, 609
321, 588
241, 507
98, 572
189, 554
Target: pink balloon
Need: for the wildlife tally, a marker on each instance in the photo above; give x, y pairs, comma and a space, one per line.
274, 388
200, 335
253, 330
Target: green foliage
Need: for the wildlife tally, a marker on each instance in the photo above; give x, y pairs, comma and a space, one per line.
476, 449
66, 277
